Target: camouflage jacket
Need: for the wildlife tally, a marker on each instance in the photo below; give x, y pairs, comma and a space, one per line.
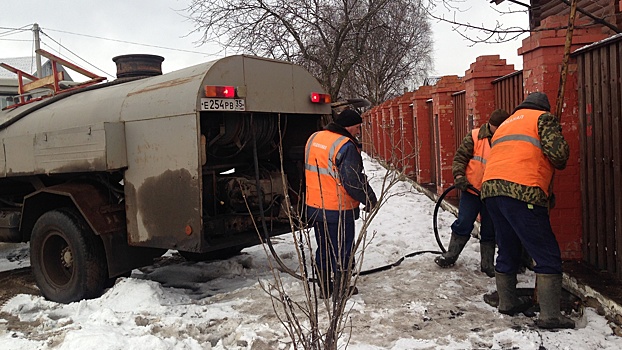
554, 147
465, 151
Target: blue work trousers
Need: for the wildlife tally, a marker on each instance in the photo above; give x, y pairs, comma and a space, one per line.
468, 208
334, 245
517, 222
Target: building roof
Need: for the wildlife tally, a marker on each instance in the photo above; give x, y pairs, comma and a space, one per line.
27, 64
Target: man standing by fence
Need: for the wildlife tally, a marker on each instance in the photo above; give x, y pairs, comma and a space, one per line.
468, 169
526, 149
335, 187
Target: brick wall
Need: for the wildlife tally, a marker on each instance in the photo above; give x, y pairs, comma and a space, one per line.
444, 134
385, 146
407, 131
378, 132
395, 134
480, 93
367, 132
426, 146
421, 134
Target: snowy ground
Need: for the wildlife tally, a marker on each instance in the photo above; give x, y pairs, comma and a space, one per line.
221, 305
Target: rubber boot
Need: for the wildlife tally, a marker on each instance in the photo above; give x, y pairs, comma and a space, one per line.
509, 301
549, 293
487, 264
456, 244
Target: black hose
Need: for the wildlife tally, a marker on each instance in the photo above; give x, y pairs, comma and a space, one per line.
435, 215
266, 234
397, 263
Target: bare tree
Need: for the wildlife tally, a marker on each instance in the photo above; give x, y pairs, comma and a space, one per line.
328, 37
312, 321
398, 54
498, 30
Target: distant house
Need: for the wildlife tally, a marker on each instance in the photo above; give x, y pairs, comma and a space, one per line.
8, 79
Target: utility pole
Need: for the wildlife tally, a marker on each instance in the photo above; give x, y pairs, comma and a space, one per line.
35, 29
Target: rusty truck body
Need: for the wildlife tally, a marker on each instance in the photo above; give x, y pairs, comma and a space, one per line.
102, 180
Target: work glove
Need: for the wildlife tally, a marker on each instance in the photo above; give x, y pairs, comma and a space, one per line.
462, 183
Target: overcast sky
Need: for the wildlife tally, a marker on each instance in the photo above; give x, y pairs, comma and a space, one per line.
97, 31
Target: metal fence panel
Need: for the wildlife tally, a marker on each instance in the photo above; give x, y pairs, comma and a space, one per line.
461, 120
600, 109
509, 91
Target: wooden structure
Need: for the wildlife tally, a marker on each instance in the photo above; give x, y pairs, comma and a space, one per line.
51, 82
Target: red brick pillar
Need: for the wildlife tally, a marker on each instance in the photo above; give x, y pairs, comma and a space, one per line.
542, 57
444, 135
395, 139
376, 132
407, 146
422, 140
385, 147
366, 133
480, 93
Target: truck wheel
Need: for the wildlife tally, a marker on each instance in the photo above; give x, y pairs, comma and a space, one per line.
67, 259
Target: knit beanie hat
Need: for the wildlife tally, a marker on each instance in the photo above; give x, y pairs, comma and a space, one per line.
536, 100
348, 118
497, 117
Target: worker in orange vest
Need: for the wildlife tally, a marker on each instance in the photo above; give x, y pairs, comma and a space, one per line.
468, 169
526, 149
335, 188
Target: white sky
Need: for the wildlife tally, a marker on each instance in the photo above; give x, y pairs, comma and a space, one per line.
453, 54
221, 305
161, 23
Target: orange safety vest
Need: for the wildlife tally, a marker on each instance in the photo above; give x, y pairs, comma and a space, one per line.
516, 153
477, 164
324, 188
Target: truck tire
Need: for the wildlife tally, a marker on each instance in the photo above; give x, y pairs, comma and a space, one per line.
67, 259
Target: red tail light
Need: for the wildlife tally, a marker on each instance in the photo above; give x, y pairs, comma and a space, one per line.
320, 98
220, 91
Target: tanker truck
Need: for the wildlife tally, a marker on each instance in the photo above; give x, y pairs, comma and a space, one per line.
102, 179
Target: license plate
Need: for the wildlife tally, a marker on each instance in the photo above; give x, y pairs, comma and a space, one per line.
222, 104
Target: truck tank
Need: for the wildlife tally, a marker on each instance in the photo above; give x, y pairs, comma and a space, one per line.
187, 160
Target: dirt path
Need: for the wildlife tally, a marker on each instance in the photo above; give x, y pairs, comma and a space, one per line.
18, 281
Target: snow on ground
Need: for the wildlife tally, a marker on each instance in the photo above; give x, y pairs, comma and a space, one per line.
221, 304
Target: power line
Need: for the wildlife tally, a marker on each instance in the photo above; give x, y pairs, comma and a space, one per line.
73, 53
130, 42
58, 53
16, 40
10, 31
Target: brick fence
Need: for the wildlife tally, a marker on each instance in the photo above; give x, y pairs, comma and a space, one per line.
416, 132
